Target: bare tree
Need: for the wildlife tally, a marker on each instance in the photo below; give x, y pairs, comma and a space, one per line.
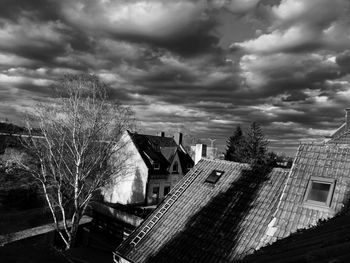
76, 139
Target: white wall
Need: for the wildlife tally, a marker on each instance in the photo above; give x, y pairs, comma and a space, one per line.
129, 182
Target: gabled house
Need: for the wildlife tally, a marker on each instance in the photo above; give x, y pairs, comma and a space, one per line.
153, 165
222, 211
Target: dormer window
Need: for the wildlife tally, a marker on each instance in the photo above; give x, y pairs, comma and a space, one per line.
156, 166
214, 176
319, 192
175, 167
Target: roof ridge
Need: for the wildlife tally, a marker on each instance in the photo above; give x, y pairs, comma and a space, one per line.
223, 161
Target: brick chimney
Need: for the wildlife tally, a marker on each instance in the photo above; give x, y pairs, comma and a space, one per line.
178, 138
347, 118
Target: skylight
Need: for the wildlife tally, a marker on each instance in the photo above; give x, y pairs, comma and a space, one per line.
319, 191
214, 176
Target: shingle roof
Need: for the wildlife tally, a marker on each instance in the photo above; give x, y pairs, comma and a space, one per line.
328, 242
204, 222
159, 149
149, 148
323, 161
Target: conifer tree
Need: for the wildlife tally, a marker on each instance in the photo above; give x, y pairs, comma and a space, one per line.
235, 150
256, 144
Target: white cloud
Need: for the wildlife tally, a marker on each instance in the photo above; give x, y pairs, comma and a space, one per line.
151, 18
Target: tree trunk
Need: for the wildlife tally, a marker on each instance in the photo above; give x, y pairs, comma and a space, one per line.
73, 232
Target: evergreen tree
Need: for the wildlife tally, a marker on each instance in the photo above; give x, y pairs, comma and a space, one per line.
235, 150
256, 145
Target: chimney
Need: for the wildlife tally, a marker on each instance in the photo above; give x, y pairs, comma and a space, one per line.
178, 138
200, 152
347, 118
161, 134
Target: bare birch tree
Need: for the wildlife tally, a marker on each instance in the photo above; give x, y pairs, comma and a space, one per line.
77, 136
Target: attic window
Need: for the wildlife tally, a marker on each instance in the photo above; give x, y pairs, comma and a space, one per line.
319, 191
156, 166
175, 167
214, 176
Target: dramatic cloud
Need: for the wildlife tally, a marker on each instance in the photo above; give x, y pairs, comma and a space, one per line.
288, 65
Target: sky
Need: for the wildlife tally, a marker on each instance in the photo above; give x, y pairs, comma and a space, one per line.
200, 67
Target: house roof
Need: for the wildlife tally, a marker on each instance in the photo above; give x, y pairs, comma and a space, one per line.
341, 136
327, 242
329, 161
159, 149
205, 222
244, 211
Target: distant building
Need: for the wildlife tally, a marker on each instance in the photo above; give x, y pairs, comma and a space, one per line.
153, 166
200, 151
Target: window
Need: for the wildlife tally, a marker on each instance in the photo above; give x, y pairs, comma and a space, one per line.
156, 166
214, 176
166, 190
175, 167
189, 166
319, 191
155, 194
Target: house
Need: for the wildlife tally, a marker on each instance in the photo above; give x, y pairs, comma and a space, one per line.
153, 165
223, 211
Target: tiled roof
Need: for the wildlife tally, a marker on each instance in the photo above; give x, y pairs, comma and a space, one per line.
339, 131
159, 149
149, 148
205, 222
328, 242
341, 138
323, 161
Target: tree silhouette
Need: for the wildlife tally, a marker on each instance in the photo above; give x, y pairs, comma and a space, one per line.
249, 147
256, 144
236, 147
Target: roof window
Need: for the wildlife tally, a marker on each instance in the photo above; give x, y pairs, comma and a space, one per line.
214, 176
319, 192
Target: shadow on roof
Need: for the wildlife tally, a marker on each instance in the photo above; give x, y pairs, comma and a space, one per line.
211, 235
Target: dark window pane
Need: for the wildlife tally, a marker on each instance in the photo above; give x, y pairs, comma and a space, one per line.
319, 192
166, 190
156, 190
175, 167
214, 176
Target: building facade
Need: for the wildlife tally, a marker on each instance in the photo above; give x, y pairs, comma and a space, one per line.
152, 166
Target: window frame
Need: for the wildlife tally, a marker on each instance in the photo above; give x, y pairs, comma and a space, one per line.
317, 204
214, 176
156, 166
175, 164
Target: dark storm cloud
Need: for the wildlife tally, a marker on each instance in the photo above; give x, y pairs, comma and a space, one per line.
45, 10
343, 60
167, 58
